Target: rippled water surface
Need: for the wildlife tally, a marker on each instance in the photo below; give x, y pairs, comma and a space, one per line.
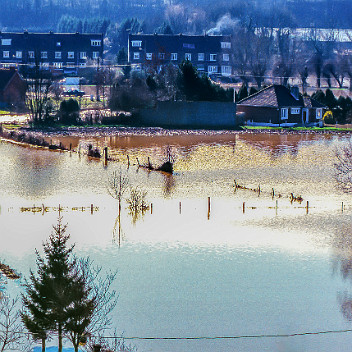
255, 264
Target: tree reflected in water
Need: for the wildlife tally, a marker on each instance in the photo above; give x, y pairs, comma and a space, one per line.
169, 184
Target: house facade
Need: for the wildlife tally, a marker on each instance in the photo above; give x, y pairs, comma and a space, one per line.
55, 51
279, 105
209, 54
12, 88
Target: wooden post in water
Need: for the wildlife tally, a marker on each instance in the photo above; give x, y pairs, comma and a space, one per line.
128, 160
151, 208
273, 193
244, 207
106, 154
208, 208
307, 207
342, 207
70, 146
276, 205
91, 209
179, 207
259, 190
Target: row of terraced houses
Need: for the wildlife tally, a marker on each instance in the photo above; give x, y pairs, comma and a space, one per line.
67, 52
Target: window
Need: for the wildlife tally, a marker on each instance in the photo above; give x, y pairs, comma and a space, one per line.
57, 54
319, 113
136, 56
161, 56
212, 57
225, 45
82, 55
189, 46
188, 56
95, 42
95, 54
149, 56
58, 43
226, 70
18, 54
284, 113
31, 54
44, 54
226, 57
82, 64
70, 65
200, 56
137, 43
58, 64
6, 54
6, 41
212, 69
173, 56
44, 64
295, 111
71, 55
200, 67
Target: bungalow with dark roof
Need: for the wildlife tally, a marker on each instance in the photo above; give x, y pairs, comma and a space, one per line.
279, 105
12, 88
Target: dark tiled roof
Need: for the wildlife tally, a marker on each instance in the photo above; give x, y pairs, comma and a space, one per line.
5, 77
48, 41
277, 96
311, 103
180, 43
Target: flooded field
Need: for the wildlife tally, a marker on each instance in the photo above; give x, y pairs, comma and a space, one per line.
206, 259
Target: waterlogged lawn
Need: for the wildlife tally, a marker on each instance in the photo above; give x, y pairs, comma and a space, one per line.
302, 128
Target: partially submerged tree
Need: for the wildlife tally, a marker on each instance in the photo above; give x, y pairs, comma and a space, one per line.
343, 167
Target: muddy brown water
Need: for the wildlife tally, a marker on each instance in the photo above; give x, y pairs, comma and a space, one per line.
270, 268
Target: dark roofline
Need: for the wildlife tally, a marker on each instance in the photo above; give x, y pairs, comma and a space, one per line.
50, 33
253, 95
180, 35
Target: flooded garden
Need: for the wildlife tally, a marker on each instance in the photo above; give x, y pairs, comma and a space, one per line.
247, 246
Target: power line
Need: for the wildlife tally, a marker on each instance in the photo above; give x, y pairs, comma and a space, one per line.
235, 337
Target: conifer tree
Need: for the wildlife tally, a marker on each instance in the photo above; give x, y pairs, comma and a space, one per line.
47, 299
66, 296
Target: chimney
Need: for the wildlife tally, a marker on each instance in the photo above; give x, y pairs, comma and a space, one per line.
295, 92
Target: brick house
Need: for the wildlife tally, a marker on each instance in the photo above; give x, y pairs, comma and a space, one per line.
56, 51
210, 54
12, 88
278, 105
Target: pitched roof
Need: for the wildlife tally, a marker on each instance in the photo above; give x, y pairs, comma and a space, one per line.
180, 43
5, 77
274, 96
277, 96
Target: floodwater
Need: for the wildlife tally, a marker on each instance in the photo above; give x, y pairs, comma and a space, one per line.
250, 266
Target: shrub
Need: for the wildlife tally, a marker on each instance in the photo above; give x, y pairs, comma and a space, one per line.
329, 117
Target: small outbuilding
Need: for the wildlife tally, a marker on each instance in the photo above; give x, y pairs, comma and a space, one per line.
12, 88
279, 105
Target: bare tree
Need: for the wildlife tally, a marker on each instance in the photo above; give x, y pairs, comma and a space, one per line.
117, 186
10, 323
261, 53
343, 167
137, 203
38, 93
98, 289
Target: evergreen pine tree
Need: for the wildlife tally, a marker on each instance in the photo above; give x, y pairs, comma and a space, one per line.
65, 296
